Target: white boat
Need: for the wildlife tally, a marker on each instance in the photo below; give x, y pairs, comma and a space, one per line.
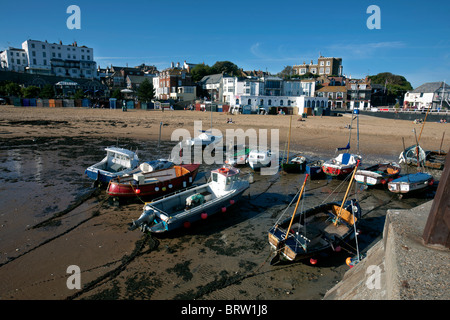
118, 161
203, 139
181, 209
341, 166
410, 183
258, 159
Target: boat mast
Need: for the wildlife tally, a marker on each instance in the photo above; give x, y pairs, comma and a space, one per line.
289, 140
346, 193
296, 207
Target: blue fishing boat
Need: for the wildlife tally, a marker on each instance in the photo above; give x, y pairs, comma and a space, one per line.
409, 183
116, 163
181, 209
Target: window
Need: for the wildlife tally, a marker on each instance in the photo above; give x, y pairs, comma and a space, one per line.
33, 53
43, 46
281, 102
53, 55
34, 61
214, 177
45, 62
24, 61
321, 71
321, 63
32, 45
44, 54
328, 63
12, 60
89, 57
327, 70
82, 57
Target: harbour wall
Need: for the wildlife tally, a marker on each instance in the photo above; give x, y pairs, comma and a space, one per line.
399, 266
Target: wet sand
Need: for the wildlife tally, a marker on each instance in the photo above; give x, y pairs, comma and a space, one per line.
52, 218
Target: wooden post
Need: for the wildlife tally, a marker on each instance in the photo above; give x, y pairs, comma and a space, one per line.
437, 228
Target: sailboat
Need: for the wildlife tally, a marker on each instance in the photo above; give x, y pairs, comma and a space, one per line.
315, 230
343, 164
296, 164
413, 182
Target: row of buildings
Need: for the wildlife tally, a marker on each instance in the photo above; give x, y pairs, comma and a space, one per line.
41, 62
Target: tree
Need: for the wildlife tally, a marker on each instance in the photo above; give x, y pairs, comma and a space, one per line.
226, 67
117, 94
47, 92
13, 89
79, 94
396, 85
146, 92
286, 73
199, 71
31, 92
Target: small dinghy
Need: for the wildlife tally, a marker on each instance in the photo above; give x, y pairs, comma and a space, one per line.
379, 174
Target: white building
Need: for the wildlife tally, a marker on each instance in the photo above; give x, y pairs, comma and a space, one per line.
261, 102
428, 95
60, 60
299, 88
13, 59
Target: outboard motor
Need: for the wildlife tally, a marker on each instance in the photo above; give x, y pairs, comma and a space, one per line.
354, 208
146, 218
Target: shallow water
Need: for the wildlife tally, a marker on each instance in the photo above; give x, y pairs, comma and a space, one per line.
44, 177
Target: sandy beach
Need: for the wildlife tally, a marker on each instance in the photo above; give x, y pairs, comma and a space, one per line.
376, 135
52, 218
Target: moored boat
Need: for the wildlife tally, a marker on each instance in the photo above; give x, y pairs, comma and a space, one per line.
258, 159
314, 169
410, 183
340, 166
378, 174
197, 203
307, 233
117, 162
295, 165
152, 184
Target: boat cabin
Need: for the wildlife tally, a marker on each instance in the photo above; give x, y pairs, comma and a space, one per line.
224, 178
118, 159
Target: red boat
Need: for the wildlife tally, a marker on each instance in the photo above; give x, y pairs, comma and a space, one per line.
153, 184
341, 166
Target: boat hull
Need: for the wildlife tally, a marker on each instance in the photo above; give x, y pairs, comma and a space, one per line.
297, 248
411, 183
153, 189
199, 213
315, 170
378, 175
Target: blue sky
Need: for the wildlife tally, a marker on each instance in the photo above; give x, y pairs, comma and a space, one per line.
255, 35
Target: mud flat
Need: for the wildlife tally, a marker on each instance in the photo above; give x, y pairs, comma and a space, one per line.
52, 218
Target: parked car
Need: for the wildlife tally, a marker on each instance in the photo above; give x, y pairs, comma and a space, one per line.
2, 101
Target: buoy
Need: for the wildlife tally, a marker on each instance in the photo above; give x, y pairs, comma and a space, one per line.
170, 186
231, 201
383, 181
204, 215
164, 189
138, 191
156, 189
186, 224
349, 262
224, 209
313, 261
337, 249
